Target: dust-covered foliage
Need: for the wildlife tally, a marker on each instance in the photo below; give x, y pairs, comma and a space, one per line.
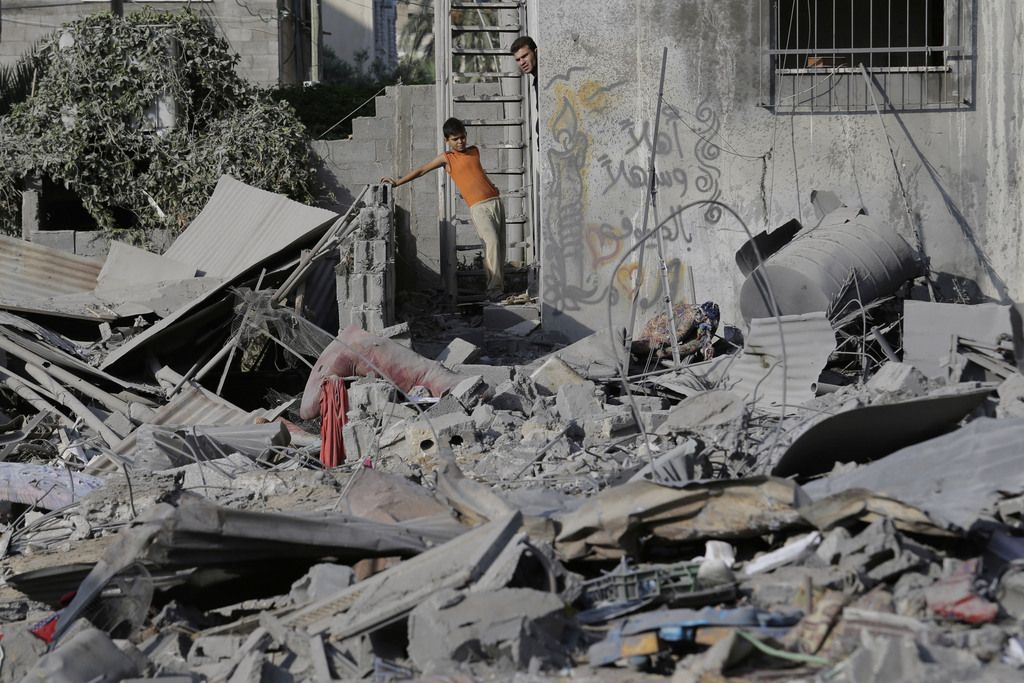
92, 123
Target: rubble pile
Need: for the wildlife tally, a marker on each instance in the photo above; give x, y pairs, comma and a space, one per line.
198, 483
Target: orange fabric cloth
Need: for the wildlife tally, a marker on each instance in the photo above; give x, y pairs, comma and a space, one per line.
333, 416
469, 176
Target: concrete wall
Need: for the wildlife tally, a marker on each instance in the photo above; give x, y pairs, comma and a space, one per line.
348, 27
250, 28
352, 26
599, 79
402, 135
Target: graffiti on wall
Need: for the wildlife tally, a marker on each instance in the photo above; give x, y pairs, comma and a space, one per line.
592, 261
568, 283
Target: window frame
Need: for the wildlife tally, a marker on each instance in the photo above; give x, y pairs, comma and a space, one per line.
952, 74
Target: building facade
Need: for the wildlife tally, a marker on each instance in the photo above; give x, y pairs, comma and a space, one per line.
917, 116
261, 34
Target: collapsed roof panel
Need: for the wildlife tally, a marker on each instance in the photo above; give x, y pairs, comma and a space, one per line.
242, 226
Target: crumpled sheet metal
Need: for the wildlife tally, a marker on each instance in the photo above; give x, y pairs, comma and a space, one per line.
870, 432
197, 533
43, 486
393, 593
953, 477
770, 366
614, 522
357, 352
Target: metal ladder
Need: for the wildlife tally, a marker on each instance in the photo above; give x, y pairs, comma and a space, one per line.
505, 133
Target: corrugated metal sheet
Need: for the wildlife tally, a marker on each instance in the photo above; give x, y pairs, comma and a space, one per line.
30, 272
808, 340
194, 405
241, 226
296, 220
756, 374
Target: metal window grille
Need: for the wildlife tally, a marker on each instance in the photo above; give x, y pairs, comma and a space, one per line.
916, 54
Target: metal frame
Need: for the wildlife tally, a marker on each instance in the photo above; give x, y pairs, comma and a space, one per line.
915, 76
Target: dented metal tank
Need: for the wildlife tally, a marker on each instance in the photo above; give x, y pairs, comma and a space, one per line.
847, 256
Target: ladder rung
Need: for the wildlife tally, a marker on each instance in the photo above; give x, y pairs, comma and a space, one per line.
501, 145
469, 247
465, 220
506, 171
514, 193
493, 122
486, 74
476, 28
484, 51
488, 98
485, 5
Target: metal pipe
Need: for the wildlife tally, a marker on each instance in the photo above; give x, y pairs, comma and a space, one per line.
109, 402
68, 400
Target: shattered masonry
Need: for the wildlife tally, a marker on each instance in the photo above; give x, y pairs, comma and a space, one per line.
835, 492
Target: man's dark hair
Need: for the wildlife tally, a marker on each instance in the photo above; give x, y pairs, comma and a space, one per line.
453, 127
521, 42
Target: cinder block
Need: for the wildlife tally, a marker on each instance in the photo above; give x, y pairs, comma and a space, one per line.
384, 152
366, 128
554, 374
91, 243
358, 437
58, 239
426, 438
355, 151
366, 289
370, 256
459, 351
384, 107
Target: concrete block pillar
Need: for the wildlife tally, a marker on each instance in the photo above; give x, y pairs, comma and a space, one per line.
30, 210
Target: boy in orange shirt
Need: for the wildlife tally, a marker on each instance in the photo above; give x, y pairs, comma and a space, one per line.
463, 165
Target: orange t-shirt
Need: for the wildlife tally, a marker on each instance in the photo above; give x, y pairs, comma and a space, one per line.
469, 175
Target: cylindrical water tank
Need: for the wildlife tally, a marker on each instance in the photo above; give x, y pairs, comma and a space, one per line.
815, 269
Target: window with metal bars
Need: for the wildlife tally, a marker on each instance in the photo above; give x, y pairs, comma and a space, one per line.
848, 55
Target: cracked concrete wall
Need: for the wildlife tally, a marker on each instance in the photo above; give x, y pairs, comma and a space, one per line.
599, 81
250, 28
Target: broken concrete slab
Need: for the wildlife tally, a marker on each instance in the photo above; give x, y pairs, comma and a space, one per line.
89, 655
553, 374
509, 627
45, 486
615, 521
459, 351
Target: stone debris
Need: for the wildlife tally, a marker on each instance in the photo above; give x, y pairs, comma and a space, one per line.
845, 505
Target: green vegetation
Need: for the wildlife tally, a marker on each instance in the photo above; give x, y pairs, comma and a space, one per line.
91, 123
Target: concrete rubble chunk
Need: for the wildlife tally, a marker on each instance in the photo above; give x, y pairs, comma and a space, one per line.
510, 627
459, 352
87, 656
898, 378
554, 374
577, 402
